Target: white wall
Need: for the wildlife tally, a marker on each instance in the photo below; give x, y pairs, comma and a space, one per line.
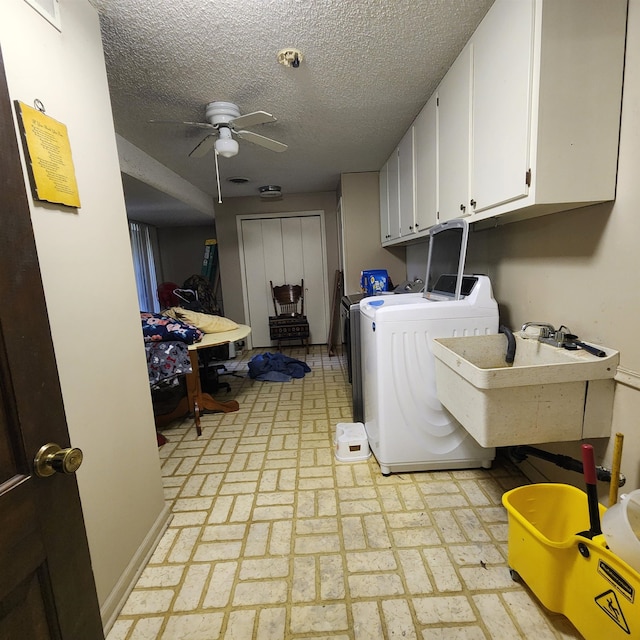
361, 232
87, 272
182, 251
417, 255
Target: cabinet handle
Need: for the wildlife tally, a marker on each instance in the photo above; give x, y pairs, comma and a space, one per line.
410, 227
473, 203
417, 225
463, 208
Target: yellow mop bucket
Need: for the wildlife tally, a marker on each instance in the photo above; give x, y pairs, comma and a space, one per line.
570, 573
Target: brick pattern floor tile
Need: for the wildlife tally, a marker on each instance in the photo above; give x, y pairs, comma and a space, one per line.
273, 539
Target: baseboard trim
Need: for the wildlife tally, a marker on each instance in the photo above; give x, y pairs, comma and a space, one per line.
112, 606
628, 378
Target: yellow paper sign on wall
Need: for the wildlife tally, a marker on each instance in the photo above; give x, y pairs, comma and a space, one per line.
49, 153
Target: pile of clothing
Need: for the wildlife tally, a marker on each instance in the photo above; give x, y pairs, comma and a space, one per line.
276, 367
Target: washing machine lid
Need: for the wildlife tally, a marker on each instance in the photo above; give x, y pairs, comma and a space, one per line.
447, 254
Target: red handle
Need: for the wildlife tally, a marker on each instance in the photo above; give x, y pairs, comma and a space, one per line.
589, 464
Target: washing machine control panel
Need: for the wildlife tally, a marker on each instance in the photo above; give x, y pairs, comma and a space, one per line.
445, 287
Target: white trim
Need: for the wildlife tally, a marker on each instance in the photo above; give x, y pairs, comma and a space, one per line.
628, 378
52, 16
112, 606
282, 214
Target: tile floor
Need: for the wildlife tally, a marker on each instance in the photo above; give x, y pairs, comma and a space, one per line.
272, 538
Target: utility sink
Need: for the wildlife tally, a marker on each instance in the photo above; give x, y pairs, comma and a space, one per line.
548, 394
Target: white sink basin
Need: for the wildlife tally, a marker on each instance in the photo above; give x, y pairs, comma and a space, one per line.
548, 394
481, 360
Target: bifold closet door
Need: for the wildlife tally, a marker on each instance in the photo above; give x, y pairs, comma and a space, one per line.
284, 250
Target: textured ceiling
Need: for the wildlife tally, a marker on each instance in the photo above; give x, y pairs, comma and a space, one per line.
369, 66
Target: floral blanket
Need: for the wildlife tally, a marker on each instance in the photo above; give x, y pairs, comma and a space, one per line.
166, 360
158, 328
165, 341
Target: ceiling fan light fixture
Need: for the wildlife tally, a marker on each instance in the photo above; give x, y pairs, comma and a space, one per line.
226, 146
270, 192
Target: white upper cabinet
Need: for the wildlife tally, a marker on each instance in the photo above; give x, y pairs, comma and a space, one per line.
425, 153
393, 185
406, 184
384, 204
397, 192
546, 106
501, 105
390, 199
527, 119
454, 138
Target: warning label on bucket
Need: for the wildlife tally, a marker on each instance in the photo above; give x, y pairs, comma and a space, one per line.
616, 580
608, 602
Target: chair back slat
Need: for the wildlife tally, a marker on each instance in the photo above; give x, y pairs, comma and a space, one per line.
288, 299
289, 321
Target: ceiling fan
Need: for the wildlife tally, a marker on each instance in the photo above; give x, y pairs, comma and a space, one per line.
225, 121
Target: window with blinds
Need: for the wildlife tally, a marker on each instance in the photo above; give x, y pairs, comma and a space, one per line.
144, 266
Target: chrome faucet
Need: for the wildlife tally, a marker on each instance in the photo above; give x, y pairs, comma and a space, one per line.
547, 333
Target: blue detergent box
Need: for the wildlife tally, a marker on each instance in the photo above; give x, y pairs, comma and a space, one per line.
374, 281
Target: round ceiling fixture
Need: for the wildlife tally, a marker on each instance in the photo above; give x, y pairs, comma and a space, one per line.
238, 180
270, 192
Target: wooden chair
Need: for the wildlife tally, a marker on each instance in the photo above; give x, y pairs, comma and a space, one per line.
289, 322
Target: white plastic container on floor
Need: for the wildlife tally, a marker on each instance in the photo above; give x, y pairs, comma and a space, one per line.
621, 528
351, 442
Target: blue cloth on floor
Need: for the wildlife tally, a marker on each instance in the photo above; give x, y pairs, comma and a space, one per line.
276, 367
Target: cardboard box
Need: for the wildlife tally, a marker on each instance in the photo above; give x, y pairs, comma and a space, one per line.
374, 281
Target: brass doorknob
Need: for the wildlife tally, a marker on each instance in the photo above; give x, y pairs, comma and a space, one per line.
52, 458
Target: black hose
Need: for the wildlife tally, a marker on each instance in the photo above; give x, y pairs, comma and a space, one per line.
511, 344
522, 452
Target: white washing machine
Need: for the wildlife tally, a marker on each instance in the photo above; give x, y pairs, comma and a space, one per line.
407, 427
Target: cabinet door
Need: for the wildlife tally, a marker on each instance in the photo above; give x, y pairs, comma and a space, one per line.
393, 187
406, 184
454, 125
384, 204
425, 140
502, 81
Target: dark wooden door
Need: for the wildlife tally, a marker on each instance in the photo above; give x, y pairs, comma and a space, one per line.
46, 582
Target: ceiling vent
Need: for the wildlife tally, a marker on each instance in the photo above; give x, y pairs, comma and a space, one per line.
238, 180
270, 192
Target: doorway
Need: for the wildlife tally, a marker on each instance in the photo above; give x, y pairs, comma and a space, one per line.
283, 248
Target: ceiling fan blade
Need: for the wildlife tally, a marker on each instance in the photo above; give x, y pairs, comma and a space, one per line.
252, 119
263, 141
204, 146
199, 125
